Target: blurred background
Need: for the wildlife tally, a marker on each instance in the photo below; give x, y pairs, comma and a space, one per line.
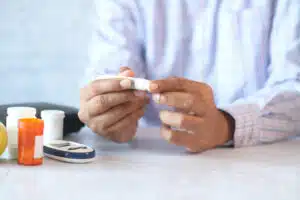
43, 49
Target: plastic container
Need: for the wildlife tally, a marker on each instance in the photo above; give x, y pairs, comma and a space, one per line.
136, 83
53, 125
3, 138
30, 145
13, 116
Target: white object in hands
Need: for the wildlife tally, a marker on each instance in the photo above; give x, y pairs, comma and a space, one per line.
53, 125
136, 83
67, 151
12, 120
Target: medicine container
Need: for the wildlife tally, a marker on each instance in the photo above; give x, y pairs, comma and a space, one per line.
30, 145
13, 116
53, 125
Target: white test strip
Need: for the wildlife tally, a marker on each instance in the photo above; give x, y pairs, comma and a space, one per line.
136, 83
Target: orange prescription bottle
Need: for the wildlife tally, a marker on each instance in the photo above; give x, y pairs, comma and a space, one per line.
30, 141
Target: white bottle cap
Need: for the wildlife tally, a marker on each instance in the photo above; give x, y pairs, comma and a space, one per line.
52, 113
21, 111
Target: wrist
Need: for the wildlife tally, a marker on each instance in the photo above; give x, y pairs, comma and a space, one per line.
227, 127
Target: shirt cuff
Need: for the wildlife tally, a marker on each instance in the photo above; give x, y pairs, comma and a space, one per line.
246, 116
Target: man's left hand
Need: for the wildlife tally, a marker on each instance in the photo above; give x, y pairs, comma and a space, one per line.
196, 123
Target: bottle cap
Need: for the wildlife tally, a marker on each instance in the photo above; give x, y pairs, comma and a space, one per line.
21, 111
52, 113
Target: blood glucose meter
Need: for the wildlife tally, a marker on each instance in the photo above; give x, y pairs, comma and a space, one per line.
67, 151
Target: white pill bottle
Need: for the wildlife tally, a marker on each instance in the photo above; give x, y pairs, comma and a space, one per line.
53, 125
12, 120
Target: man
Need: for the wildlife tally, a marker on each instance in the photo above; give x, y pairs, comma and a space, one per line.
236, 66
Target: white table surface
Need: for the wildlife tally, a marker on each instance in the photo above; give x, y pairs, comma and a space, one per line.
149, 168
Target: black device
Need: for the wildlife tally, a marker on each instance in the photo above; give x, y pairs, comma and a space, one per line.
72, 123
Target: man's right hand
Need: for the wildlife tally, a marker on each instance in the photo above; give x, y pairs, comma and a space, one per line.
111, 109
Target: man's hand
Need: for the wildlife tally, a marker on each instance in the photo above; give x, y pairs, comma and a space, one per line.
109, 108
196, 124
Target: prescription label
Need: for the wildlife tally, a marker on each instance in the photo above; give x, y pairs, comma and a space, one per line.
38, 147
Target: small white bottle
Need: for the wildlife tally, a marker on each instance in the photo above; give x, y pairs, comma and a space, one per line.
12, 120
53, 125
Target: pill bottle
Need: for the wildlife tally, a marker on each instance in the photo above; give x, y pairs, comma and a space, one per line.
53, 125
13, 115
3, 138
30, 145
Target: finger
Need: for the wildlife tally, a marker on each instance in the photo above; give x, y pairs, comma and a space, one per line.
125, 129
101, 103
184, 112
173, 84
119, 112
180, 138
126, 71
101, 123
83, 115
104, 86
124, 68
182, 101
181, 121
125, 134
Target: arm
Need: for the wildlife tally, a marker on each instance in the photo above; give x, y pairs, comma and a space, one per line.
115, 39
108, 107
273, 113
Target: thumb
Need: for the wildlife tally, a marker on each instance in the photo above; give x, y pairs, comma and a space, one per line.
126, 71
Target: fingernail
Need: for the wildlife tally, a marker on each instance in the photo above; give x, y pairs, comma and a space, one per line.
164, 115
153, 86
127, 73
125, 84
156, 97
168, 117
167, 135
139, 93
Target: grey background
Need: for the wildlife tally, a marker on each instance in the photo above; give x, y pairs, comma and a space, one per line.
43, 49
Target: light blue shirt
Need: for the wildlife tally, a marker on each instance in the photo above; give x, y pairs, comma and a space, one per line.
248, 51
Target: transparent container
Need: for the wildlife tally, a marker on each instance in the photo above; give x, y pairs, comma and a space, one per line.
30, 143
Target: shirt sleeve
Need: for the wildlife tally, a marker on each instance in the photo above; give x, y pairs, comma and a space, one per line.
115, 40
273, 113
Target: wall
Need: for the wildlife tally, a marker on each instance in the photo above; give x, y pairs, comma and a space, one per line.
43, 49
